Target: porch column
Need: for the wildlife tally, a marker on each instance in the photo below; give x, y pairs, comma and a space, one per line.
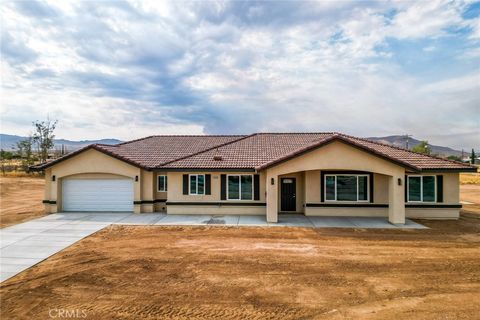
396, 200
147, 191
272, 198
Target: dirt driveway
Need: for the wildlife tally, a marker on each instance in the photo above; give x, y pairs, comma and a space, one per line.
21, 199
258, 273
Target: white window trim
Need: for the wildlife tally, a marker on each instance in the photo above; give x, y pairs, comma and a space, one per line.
196, 185
421, 188
240, 187
335, 188
165, 183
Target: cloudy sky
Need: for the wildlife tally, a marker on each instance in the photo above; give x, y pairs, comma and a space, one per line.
127, 69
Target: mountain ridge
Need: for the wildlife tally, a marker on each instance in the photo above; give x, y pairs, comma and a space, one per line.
8, 143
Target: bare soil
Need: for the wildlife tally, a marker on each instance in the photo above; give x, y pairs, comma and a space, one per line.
470, 193
20, 199
258, 273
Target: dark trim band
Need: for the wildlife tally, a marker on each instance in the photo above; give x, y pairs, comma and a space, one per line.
346, 205
49, 201
430, 206
149, 201
226, 204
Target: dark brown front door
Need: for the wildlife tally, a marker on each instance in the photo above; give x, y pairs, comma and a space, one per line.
287, 194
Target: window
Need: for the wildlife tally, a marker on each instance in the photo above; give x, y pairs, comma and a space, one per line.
197, 184
162, 183
343, 187
421, 189
240, 187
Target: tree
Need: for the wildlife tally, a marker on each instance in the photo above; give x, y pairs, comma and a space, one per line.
472, 157
43, 137
455, 158
25, 150
422, 147
6, 155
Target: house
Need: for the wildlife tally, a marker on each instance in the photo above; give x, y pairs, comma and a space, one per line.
316, 174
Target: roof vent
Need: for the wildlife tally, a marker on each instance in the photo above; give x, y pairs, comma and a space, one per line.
217, 158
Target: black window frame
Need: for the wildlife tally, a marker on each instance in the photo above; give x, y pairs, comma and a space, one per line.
356, 175
435, 188
240, 187
165, 184
196, 183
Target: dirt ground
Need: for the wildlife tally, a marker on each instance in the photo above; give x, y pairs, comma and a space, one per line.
470, 193
258, 273
20, 199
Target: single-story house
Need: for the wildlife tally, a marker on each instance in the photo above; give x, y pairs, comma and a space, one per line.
315, 174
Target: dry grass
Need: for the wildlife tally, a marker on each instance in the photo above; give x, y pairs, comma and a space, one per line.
21, 174
470, 178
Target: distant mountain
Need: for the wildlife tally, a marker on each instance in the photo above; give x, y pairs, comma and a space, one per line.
401, 141
8, 142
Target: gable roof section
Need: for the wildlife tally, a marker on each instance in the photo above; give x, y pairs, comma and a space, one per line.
152, 151
249, 153
253, 152
263, 150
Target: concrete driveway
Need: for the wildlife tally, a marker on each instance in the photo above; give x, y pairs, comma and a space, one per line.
26, 244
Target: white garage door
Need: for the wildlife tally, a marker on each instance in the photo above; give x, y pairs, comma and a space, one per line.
97, 195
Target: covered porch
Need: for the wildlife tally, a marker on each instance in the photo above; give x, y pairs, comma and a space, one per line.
336, 193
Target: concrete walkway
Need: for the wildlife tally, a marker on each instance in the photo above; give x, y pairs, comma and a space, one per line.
26, 244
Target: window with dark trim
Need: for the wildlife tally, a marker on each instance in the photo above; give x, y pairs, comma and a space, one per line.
197, 184
421, 188
162, 183
347, 187
240, 187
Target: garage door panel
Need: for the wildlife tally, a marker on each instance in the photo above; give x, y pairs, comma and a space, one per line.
98, 195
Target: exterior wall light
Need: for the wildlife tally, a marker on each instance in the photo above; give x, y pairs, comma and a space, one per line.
136, 178
272, 181
399, 181
53, 178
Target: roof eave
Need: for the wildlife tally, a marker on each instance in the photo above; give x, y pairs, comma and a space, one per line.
466, 169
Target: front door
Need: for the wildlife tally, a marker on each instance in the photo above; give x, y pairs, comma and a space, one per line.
287, 194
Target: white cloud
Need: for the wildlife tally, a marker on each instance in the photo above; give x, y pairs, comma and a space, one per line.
125, 70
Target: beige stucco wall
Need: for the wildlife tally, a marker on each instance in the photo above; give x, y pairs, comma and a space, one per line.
175, 194
338, 156
312, 195
216, 210
93, 164
451, 196
87, 165
346, 212
159, 206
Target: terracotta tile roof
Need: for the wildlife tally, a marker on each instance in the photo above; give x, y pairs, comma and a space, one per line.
156, 150
153, 151
260, 151
254, 152
251, 152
